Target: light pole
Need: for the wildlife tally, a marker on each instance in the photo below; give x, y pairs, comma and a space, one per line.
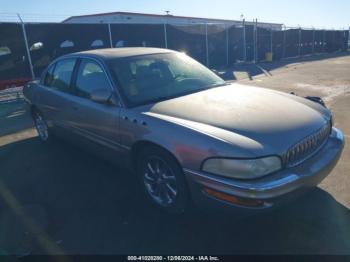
27, 47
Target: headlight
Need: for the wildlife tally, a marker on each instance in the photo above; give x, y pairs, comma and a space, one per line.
242, 168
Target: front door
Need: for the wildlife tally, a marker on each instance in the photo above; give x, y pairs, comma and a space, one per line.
98, 122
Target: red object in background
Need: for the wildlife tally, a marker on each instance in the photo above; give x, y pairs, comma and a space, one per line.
13, 82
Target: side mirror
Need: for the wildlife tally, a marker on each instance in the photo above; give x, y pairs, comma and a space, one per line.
101, 95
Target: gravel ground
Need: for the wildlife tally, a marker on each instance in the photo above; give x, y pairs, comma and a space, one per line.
61, 199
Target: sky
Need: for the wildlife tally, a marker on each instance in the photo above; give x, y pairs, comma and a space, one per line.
329, 14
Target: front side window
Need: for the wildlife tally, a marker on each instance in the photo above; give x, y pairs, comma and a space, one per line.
62, 75
90, 77
150, 78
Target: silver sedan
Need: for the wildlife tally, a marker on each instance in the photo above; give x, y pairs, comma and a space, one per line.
189, 136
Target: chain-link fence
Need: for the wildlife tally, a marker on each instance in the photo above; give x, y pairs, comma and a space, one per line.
27, 48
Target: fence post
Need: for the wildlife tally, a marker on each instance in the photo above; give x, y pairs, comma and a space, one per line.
324, 42
254, 51
313, 41
110, 35
206, 43
348, 40
284, 42
244, 43
256, 41
299, 46
227, 49
27, 47
344, 37
271, 40
165, 36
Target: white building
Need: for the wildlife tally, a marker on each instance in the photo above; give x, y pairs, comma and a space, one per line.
139, 18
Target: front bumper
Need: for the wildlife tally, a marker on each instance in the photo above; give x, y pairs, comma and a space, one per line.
273, 189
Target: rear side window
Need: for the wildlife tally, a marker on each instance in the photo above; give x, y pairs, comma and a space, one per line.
90, 77
62, 75
48, 76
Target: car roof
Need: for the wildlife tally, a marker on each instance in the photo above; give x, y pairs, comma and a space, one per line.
120, 52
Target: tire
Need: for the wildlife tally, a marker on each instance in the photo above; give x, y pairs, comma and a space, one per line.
41, 127
160, 174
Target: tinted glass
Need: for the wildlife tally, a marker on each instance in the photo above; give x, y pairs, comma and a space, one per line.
62, 75
90, 77
151, 78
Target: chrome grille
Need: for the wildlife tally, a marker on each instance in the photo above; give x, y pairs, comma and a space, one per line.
307, 147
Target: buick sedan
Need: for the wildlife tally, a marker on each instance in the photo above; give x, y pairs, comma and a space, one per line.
189, 136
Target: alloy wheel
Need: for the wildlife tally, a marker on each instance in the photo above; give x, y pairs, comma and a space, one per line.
41, 127
160, 181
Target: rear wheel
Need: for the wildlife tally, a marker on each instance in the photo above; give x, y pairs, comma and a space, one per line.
162, 179
41, 126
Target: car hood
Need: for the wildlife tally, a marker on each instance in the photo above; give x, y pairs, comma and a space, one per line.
273, 120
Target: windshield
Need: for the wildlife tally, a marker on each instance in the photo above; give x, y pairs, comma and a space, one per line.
151, 78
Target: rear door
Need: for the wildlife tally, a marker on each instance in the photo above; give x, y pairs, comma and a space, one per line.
95, 121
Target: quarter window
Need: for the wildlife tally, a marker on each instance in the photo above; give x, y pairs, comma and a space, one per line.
90, 77
62, 75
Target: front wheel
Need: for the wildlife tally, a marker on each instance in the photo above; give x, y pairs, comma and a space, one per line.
162, 180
